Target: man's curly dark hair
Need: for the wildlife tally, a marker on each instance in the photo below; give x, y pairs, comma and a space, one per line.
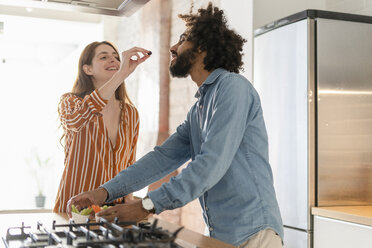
208, 31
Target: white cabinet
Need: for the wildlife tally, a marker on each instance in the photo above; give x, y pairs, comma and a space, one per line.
331, 233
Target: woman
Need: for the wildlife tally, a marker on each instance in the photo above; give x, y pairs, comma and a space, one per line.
99, 121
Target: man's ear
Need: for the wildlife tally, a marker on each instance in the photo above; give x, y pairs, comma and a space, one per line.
87, 70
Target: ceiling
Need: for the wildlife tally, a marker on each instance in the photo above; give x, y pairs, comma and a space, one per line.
101, 7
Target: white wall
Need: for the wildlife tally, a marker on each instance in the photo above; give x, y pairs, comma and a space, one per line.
38, 64
140, 29
240, 18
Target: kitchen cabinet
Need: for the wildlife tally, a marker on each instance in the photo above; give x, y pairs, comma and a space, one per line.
343, 227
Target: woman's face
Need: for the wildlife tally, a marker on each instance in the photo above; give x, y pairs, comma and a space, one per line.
104, 65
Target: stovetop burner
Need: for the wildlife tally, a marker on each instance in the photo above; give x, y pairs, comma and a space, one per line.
102, 234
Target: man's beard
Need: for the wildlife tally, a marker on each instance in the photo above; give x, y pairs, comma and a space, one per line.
183, 64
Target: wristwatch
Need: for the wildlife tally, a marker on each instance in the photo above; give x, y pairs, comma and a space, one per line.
148, 205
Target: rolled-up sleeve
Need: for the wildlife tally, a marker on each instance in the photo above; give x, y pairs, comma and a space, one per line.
76, 112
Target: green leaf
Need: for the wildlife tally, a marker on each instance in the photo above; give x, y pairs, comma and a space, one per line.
74, 209
86, 211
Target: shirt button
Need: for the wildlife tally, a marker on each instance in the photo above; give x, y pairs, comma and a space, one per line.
206, 208
211, 229
200, 106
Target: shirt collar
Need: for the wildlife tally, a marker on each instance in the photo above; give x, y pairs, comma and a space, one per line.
210, 80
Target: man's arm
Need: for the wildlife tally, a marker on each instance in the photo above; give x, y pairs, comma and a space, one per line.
174, 152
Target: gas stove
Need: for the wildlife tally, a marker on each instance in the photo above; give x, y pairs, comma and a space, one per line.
92, 234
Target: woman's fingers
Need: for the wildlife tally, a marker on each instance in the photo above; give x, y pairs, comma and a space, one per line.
138, 49
135, 57
132, 58
80, 201
135, 51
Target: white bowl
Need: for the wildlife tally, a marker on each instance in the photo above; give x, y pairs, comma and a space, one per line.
78, 218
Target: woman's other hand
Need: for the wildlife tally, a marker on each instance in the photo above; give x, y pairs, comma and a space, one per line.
86, 199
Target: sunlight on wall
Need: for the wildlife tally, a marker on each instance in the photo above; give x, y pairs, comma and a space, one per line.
38, 63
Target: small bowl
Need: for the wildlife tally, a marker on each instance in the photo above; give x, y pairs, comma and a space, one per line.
78, 218
97, 218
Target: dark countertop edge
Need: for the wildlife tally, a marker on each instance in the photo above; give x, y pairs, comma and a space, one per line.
312, 14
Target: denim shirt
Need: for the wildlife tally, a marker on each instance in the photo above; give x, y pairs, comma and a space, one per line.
225, 137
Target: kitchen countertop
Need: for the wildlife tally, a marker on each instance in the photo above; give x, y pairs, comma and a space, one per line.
185, 238
356, 214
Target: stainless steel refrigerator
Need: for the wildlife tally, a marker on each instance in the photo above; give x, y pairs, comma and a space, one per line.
313, 71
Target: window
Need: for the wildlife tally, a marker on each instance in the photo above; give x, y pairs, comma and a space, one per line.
38, 63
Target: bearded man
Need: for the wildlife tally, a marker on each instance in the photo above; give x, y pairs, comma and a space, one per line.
223, 134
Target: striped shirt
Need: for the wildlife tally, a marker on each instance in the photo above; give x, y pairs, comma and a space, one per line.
90, 159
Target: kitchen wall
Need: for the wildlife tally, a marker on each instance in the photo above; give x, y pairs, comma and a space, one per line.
266, 11
182, 90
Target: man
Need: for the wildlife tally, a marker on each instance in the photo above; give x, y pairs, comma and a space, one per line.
224, 134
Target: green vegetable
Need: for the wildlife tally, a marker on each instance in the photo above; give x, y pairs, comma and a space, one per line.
86, 211
105, 207
73, 209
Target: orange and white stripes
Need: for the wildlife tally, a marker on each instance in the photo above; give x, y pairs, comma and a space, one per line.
90, 159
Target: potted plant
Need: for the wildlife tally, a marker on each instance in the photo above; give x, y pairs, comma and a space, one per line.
38, 170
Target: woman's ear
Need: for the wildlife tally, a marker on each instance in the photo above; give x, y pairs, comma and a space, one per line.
87, 70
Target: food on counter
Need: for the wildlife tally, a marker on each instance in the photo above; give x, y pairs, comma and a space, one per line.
84, 211
89, 212
74, 210
97, 208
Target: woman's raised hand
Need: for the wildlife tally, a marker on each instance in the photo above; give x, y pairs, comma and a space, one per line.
131, 59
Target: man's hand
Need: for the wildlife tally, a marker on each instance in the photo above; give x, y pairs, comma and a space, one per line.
132, 211
86, 199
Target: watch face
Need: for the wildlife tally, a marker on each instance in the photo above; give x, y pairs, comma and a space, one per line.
148, 204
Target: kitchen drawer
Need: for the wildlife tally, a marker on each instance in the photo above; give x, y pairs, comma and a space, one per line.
329, 233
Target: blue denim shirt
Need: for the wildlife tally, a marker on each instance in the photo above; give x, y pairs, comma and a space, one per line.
224, 134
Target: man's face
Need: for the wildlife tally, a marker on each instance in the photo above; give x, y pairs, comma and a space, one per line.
183, 58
